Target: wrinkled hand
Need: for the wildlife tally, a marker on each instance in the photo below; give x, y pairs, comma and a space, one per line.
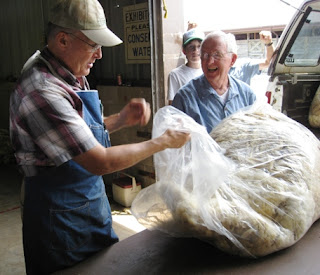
136, 112
176, 139
265, 37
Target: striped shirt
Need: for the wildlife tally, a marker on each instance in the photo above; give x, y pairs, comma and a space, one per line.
46, 124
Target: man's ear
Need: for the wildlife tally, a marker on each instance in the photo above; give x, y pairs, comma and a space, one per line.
233, 59
184, 50
62, 40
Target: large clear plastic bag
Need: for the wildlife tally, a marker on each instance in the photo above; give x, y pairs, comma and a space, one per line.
250, 188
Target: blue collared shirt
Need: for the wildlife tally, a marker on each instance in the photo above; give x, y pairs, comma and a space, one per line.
201, 102
245, 70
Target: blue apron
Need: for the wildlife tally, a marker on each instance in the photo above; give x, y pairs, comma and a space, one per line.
67, 215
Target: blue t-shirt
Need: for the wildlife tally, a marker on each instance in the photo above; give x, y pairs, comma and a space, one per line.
245, 69
201, 102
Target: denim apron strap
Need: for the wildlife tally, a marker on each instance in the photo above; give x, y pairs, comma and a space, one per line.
93, 113
67, 215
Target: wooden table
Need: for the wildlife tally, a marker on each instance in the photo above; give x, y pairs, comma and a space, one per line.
153, 252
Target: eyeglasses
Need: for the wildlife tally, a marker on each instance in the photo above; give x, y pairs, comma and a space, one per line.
216, 56
94, 47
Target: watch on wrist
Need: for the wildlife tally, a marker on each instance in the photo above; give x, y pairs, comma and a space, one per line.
269, 44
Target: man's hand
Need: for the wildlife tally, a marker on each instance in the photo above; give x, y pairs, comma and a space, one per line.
136, 112
175, 139
191, 25
265, 37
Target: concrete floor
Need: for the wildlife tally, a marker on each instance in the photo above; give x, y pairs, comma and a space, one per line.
11, 250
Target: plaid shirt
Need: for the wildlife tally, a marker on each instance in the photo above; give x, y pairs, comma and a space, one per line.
46, 124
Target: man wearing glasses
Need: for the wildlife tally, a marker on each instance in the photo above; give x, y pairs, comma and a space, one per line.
214, 95
61, 144
184, 73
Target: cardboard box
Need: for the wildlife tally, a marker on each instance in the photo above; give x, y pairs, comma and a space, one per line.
125, 189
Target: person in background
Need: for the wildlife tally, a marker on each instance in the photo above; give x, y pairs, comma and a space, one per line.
184, 73
245, 69
60, 140
192, 25
214, 95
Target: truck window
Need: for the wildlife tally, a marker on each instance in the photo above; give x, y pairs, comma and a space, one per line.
305, 50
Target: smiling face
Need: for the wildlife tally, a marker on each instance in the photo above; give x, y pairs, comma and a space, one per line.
79, 56
216, 61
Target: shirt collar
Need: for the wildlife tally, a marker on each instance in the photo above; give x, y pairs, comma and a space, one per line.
207, 89
60, 68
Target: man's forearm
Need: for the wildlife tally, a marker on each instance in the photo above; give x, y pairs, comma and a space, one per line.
270, 51
113, 122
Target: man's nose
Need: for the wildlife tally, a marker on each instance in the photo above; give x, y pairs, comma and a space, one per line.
211, 59
98, 53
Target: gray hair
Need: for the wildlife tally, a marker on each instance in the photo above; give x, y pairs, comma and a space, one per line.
53, 30
228, 38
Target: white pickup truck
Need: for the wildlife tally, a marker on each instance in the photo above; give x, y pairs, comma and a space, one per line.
295, 70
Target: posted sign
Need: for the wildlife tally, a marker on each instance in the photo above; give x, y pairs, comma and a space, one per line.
137, 34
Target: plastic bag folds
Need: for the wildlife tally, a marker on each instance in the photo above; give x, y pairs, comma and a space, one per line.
250, 188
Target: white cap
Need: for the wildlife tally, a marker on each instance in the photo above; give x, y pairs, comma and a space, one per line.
86, 16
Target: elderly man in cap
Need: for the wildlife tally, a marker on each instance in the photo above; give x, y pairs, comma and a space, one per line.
61, 141
183, 74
